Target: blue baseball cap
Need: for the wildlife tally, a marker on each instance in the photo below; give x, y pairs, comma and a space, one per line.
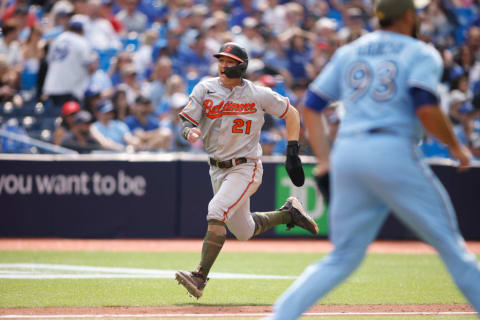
92, 92
184, 13
105, 107
77, 22
82, 117
75, 25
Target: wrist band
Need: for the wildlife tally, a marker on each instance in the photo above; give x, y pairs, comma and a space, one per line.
185, 132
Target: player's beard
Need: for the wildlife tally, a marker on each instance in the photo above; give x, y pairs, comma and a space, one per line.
227, 82
223, 78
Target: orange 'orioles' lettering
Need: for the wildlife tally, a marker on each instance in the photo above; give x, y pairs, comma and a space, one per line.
207, 105
227, 108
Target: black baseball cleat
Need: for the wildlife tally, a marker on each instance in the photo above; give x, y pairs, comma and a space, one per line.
193, 281
299, 217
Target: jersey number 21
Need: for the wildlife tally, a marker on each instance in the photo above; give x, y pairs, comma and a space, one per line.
238, 125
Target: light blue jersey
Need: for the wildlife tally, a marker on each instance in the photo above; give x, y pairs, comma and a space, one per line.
114, 130
376, 166
373, 75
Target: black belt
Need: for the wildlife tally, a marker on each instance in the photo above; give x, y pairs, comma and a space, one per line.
380, 130
227, 163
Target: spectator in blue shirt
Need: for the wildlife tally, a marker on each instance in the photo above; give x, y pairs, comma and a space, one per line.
299, 57
99, 79
172, 50
158, 86
146, 127
110, 133
122, 59
242, 9
132, 18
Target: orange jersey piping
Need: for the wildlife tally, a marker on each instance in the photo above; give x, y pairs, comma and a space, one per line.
286, 110
189, 118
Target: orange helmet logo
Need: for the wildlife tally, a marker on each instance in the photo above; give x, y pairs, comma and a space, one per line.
228, 48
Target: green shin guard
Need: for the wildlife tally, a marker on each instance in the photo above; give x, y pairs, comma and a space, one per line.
212, 244
264, 221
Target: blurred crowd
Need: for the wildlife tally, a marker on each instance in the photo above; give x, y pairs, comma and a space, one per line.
112, 75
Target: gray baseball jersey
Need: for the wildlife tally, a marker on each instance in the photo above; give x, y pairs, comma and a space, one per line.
231, 120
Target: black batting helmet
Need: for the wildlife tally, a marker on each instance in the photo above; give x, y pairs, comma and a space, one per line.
237, 52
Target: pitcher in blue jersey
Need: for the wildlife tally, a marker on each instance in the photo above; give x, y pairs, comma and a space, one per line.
387, 81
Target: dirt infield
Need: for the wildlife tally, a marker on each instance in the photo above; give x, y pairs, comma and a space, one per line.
239, 311
195, 245
187, 245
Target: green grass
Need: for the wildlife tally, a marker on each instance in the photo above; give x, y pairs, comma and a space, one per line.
382, 279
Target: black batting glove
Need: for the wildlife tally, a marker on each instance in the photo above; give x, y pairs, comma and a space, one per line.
293, 164
323, 184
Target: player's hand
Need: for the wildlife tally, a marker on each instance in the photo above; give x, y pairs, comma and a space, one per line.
194, 134
293, 164
463, 155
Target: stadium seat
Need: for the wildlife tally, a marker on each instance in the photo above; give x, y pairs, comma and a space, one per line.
131, 42
28, 109
105, 58
8, 110
28, 122
39, 109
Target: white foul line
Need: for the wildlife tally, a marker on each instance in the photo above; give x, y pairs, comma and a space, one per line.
225, 315
64, 271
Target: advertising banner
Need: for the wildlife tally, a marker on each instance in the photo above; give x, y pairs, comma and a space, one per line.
312, 200
51, 196
95, 199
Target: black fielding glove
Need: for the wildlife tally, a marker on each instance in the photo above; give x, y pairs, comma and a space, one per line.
323, 184
293, 164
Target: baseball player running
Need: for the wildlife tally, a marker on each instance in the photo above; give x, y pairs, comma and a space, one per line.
227, 112
387, 81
